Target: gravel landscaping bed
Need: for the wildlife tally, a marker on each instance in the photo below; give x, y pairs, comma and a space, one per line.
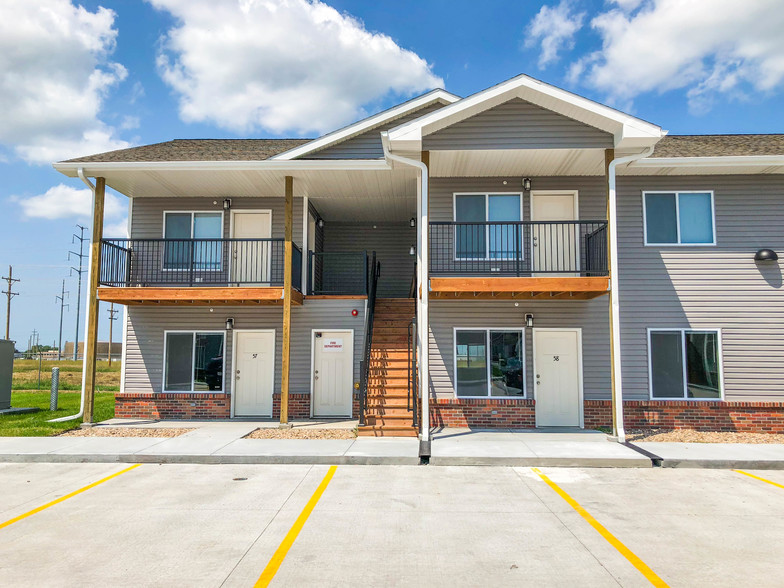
302, 433
691, 436
124, 432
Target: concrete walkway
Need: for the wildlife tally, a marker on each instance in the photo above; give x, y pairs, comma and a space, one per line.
715, 455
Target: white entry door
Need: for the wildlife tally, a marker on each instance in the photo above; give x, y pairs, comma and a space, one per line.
558, 377
555, 247
250, 263
254, 372
333, 373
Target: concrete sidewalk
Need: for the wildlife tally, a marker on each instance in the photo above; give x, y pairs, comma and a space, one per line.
715, 455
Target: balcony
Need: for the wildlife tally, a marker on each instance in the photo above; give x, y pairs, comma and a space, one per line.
536, 259
196, 271
338, 274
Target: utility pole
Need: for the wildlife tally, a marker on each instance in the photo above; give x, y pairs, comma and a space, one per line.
81, 255
61, 298
9, 294
112, 318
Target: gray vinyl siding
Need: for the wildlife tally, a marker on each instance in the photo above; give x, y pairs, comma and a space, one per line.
390, 241
517, 124
708, 287
147, 215
146, 326
590, 315
368, 144
591, 193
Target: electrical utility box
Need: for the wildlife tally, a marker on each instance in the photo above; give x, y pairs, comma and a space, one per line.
6, 372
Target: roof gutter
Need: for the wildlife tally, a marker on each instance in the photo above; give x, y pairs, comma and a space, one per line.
80, 173
423, 291
615, 305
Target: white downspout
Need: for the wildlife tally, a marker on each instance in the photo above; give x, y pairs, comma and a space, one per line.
80, 173
423, 322
615, 304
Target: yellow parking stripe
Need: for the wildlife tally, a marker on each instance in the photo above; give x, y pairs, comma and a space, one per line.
758, 478
280, 554
611, 539
66, 497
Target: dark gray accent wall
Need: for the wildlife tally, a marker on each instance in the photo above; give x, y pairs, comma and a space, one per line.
708, 287
517, 124
390, 241
368, 144
590, 315
147, 215
146, 326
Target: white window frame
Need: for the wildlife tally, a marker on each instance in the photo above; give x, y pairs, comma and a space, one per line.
487, 331
487, 195
678, 218
192, 213
193, 361
683, 332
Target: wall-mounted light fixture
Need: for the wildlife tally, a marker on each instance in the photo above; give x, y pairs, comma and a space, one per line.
527, 184
321, 223
412, 250
412, 222
529, 321
227, 204
229, 324
766, 255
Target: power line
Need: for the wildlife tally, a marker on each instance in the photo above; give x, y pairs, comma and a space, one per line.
112, 318
81, 255
9, 294
61, 298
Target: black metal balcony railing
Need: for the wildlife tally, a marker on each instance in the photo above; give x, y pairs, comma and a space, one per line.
197, 262
522, 248
338, 274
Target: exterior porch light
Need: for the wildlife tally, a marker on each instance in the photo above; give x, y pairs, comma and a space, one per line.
227, 204
229, 324
412, 250
529, 321
321, 223
527, 184
766, 255
412, 222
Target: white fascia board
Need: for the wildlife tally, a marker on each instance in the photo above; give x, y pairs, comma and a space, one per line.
93, 169
368, 123
717, 161
620, 124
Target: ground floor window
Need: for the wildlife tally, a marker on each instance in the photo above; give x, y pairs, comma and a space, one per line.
489, 362
684, 364
193, 361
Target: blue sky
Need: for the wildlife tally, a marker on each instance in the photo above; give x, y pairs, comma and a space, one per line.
75, 81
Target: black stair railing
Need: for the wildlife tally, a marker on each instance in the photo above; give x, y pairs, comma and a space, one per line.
364, 368
412, 400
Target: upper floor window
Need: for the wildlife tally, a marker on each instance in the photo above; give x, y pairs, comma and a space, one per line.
181, 253
480, 232
679, 218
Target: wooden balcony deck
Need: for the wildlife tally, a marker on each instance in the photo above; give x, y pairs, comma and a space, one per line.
188, 296
514, 288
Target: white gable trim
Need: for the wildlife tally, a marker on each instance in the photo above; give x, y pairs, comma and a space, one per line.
360, 127
628, 131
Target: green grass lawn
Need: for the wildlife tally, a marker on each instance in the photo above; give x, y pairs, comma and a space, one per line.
35, 424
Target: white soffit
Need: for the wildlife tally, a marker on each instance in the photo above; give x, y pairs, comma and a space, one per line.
361, 209
507, 162
366, 124
629, 132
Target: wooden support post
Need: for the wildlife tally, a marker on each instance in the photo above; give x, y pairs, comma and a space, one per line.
609, 155
287, 259
91, 342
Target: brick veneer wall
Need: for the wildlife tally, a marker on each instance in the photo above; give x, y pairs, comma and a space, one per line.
172, 406
299, 406
747, 417
480, 413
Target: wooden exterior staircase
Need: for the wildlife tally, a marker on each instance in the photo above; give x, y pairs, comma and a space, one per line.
387, 413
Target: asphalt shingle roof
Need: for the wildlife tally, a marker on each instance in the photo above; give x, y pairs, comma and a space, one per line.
718, 145
198, 150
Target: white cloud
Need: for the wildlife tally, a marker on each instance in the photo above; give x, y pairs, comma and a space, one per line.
63, 202
553, 28
54, 76
281, 65
707, 47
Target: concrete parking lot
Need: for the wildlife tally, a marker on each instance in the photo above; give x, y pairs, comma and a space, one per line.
216, 525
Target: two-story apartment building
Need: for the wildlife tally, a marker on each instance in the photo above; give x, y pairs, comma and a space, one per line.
544, 261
